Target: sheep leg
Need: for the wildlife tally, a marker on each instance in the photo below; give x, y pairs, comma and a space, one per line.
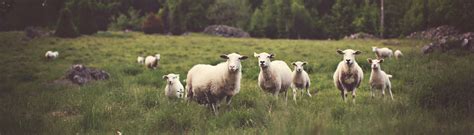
354, 95
372, 90
344, 95
383, 92
294, 95
229, 99
390, 92
286, 96
307, 92
214, 108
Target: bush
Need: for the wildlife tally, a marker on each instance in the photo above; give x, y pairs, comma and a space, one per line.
65, 28
153, 24
131, 21
86, 18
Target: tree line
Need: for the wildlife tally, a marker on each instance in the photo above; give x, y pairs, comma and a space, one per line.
309, 19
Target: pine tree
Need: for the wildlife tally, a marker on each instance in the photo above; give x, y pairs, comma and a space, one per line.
86, 18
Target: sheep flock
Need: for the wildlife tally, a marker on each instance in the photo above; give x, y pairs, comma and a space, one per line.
209, 85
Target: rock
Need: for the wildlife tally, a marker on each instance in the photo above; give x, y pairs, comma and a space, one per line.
428, 48
33, 32
225, 31
436, 33
79, 74
360, 35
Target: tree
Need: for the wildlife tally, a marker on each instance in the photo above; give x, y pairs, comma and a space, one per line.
302, 23
230, 12
257, 27
342, 16
86, 20
65, 28
153, 24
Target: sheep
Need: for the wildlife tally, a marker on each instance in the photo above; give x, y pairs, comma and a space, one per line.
274, 76
209, 84
300, 79
152, 62
379, 79
398, 54
382, 53
174, 88
348, 75
50, 55
140, 60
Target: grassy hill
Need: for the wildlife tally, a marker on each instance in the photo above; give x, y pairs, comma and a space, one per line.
433, 93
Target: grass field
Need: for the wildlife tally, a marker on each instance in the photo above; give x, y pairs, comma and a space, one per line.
433, 93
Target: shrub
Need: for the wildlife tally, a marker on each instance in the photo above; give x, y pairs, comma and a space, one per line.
153, 24
131, 20
65, 28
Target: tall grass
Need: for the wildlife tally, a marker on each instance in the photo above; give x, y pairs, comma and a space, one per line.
433, 93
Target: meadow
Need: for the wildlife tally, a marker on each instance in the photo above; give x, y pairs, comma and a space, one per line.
433, 93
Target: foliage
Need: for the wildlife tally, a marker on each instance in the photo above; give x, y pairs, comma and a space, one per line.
66, 27
86, 23
131, 20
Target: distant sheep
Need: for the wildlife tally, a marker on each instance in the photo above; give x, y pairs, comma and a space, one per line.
274, 76
348, 75
382, 53
152, 62
300, 79
379, 79
209, 84
50, 55
398, 54
174, 88
140, 60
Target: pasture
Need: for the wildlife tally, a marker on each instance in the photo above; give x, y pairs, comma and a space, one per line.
433, 93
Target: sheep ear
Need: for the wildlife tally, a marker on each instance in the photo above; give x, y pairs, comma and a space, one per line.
224, 56
243, 57
304, 63
272, 55
292, 63
165, 77
369, 60
340, 51
381, 61
255, 54
357, 52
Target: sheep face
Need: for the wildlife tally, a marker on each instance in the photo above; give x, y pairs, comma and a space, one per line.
264, 59
299, 66
171, 78
233, 61
349, 55
375, 64
157, 56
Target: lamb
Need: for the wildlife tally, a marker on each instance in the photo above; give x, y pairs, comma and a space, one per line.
50, 55
382, 53
152, 62
140, 60
174, 88
398, 54
348, 75
209, 84
300, 79
275, 76
379, 79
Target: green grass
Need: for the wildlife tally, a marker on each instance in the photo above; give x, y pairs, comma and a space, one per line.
433, 93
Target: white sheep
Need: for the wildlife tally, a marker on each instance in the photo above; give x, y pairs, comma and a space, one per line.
348, 75
209, 84
50, 55
152, 62
300, 79
274, 76
382, 53
398, 54
379, 79
140, 60
174, 88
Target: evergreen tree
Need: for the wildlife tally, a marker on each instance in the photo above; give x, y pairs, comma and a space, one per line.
86, 18
65, 28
